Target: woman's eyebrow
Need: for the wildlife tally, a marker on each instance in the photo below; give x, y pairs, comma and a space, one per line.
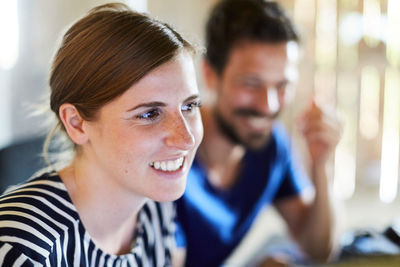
160, 104
148, 105
192, 97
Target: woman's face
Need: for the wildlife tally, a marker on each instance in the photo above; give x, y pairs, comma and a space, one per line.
144, 141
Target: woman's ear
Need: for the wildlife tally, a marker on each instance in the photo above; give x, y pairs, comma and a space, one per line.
73, 123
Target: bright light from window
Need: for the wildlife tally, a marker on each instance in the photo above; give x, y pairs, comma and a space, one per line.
369, 102
372, 22
9, 31
325, 87
393, 33
345, 173
325, 44
345, 154
350, 28
350, 4
301, 16
390, 138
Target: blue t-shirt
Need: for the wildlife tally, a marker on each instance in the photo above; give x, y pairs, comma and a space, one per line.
212, 222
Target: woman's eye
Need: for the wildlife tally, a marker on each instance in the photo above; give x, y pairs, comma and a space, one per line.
149, 115
192, 105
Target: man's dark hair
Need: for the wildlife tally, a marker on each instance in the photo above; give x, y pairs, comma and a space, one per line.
234, 21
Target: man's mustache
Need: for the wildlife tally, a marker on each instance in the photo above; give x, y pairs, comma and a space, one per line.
247, 112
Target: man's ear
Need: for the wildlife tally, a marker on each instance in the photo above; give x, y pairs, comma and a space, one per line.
210, 75
73, 123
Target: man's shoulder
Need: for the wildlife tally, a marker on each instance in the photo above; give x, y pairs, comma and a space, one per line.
280, 134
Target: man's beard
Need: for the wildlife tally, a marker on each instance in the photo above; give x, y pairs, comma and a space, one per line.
253, 141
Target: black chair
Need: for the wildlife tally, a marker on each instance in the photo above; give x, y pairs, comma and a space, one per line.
20, 161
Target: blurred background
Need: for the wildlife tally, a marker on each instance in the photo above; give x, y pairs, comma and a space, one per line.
350, 62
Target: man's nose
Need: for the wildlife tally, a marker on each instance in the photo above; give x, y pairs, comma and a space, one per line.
268, 100
179, 134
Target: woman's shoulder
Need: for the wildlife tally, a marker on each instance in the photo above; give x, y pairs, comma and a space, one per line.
45, 187
37, 179
43, 195
42, 203
35, 215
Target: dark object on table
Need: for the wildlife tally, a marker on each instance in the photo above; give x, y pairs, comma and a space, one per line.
393, 233
367, 242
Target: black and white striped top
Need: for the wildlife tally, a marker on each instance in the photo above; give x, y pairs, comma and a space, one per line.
39, 226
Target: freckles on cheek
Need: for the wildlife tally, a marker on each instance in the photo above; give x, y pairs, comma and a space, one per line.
128, 163
122, 162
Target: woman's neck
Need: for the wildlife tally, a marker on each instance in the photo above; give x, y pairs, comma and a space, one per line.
108, 212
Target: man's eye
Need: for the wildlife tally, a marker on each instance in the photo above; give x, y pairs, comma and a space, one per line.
251, 84
282, 87
192, 105
149, 115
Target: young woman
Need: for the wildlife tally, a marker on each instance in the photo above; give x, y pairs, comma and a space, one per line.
124, 91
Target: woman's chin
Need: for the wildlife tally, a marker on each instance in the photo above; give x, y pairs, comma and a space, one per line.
170, 194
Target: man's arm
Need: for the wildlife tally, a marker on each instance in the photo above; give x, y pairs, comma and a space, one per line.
311, 219
178, 257
310, 222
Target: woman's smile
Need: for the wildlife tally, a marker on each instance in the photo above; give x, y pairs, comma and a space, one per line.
168, 165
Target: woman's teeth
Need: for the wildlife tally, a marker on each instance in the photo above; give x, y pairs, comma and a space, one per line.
170, 165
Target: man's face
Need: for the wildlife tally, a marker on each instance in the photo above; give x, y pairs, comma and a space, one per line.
252, 90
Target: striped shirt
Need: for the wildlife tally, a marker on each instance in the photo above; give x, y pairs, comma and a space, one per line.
39, 226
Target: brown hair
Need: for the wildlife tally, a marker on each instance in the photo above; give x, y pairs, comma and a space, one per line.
103, 54
235, 21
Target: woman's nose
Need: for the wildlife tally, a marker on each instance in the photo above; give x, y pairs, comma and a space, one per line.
179, 134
